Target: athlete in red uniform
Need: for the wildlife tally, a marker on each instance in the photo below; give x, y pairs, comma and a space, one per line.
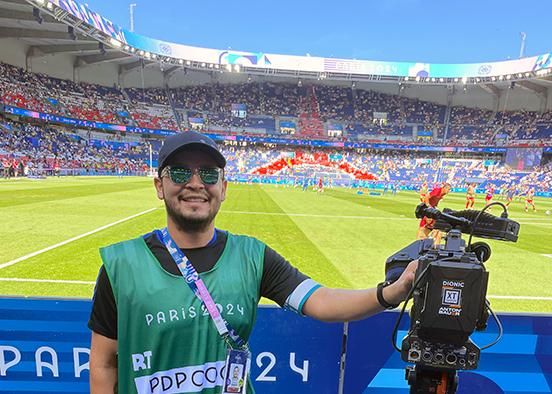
529, 199
423, 191
15, 165
470, 196
431, 200
489, 195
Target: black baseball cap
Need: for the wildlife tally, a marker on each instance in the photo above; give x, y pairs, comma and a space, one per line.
188, 140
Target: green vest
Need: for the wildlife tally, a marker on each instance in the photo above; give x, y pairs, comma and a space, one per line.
167, 341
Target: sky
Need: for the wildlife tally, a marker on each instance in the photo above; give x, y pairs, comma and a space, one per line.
430, 31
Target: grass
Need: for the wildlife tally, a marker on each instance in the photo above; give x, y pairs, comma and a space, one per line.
340, 239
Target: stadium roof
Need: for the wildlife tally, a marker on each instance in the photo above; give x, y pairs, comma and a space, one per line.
50, 34
47, 29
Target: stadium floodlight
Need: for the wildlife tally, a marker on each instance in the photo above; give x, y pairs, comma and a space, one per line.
147, 54
500, 77
126, 48
40, 2
141, 53
50, 5
464, 80
527, 75
181, 61
477, 80
442, 80
203, 64
456, 80
211, 65
188, 63
417, 79
229, 67
217, 66
508, 76
432, 79
237, 68
115, 43
520, 75
153, 56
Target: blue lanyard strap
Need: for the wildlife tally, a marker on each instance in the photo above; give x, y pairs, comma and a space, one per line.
198, 288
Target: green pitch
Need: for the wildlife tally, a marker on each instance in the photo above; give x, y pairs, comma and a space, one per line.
52, 229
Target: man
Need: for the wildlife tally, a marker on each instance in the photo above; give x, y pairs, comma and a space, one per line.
432, 200
529, 199
394, 188
470, 196
6, 163
305, 183
146, 323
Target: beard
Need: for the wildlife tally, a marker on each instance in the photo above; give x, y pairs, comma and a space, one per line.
190, 224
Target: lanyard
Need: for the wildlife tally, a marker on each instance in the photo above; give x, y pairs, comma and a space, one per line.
198, 287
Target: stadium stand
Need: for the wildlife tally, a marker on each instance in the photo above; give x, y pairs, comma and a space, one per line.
319, 112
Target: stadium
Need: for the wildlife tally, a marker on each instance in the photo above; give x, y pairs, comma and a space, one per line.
86, 105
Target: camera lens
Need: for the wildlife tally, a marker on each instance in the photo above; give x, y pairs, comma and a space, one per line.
451, 358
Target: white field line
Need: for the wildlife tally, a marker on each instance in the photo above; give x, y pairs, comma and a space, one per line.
547, 255
72, 239
239, 212
92, 283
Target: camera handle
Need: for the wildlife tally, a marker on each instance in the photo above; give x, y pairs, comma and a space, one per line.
422, 380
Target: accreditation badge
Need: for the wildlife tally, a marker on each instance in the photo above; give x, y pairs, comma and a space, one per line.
238, 363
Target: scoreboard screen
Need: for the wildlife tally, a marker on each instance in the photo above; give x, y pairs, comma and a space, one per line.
239, 111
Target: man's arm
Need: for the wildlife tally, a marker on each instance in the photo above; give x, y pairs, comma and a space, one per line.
103, 365
426, 199
339, 305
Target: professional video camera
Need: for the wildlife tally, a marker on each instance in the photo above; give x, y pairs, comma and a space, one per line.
449, 290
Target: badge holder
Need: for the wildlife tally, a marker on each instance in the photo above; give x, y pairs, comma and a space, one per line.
238, 363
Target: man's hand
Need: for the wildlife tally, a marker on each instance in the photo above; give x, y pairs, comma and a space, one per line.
396, 293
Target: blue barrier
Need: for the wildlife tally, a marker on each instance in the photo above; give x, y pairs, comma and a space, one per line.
44, 347
521, 362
